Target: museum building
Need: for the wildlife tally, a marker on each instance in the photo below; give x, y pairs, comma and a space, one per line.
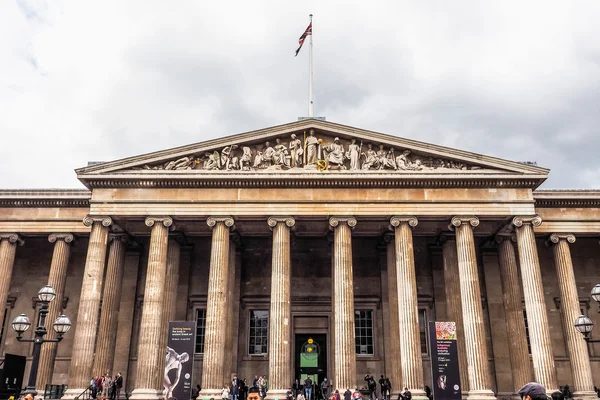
308, 232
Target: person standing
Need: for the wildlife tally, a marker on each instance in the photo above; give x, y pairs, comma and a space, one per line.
406, 394
118, 384
533, 391
106, 381
308, 388
325, 389
235, 388
297, 387
347, 395
372, 386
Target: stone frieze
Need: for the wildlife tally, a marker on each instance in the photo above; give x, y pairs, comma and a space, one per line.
309, 151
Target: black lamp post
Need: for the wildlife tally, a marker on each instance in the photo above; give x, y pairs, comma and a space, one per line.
21, 323
583, 323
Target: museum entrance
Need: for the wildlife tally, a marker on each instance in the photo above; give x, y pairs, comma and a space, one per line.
310, 357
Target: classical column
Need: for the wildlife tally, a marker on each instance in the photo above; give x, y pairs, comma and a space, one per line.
393, 351
89, 306
149, 351
218, 283
343, 304
513, 309
280, 341
8, 249
170, 297
56, 279
454, 307
474, 328
111, 299
408, 317
229, 338
583, 382
535, 305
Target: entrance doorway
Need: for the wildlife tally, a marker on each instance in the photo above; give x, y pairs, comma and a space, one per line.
311, 360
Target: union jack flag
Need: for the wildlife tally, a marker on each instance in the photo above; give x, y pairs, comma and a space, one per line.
307, 32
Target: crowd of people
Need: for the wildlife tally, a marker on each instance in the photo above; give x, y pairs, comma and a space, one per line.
106, 387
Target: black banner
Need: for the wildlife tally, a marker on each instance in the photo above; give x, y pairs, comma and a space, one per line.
179, 362
444, 361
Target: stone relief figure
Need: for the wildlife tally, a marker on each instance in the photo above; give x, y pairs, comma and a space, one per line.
371, 160
296, 151
281, 156
212, 161
228, 160
353, 154
386, 158
182, 163
404, 163
311, 144
245, 159
334, 154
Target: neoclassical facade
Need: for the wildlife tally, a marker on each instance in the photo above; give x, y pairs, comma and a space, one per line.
309, 232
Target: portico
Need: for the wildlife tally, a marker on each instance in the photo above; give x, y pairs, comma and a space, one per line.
261, 245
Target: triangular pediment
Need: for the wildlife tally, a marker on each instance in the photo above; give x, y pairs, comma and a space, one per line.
309, 148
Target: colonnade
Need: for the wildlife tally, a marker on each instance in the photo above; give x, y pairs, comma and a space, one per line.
463, 294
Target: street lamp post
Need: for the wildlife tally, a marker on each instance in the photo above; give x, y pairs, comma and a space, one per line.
21, 324
583, 323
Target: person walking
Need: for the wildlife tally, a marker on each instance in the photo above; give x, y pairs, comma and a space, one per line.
235, 388
297, 387
325, 389
308, 388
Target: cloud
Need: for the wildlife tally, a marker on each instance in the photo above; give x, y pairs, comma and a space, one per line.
83, 81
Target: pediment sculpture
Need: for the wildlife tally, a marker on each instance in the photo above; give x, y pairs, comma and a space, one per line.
309, 153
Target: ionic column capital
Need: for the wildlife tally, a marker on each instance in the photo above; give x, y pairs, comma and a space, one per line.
67, 237
90, 219
335, 221
557, 237
464, 219
502, 237
122, 237
165, 220
534, 220
227, 221
398, 220
12, 238
290, 222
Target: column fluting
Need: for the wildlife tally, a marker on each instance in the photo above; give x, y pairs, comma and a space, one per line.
454, 307
343, 304
408, 317
149, 351
513, 309
89, 306
473, 322
8, 250
535, 305
111, 300
280, 362
57, 279
218, 283
170, 297
393, 351
583, 382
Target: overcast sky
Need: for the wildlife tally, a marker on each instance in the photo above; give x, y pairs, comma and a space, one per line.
82, 81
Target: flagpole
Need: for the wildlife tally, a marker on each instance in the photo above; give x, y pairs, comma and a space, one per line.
310, 74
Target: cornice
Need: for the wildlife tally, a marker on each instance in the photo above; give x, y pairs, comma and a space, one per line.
45, 198
325, 180
567, 198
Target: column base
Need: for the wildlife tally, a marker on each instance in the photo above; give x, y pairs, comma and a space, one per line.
70, 394
481, 395
585, 395
418, 394
206, 394
146, 394
276, 394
